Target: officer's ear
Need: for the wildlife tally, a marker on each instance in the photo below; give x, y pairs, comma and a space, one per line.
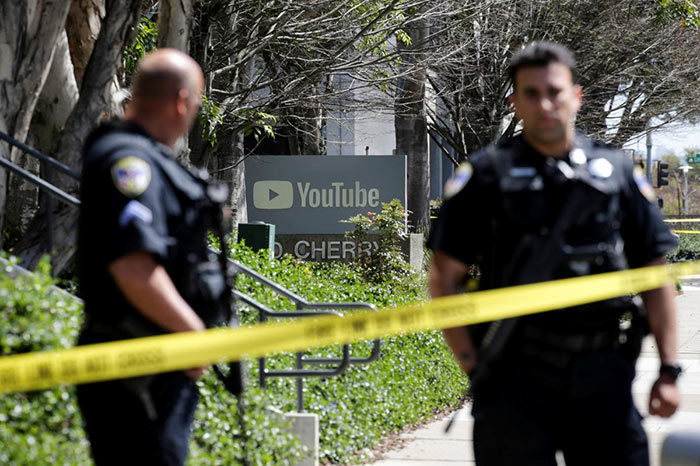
510, 102
182, 101
578, 94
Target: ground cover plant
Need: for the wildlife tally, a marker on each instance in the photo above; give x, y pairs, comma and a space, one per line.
414, 378
688, 249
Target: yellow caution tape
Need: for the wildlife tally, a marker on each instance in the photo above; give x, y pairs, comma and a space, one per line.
681, 220
164, 353
686, 232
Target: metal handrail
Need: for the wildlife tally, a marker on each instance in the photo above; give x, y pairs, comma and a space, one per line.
48, 164
304, 308
40, 183
326, 311
40, 155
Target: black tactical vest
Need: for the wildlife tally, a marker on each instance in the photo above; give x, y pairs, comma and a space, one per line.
195, 271
557, 218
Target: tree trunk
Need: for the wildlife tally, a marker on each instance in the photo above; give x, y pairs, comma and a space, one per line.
27, 38
83, 26
226, 164
95, 102
410, 124
58, 96
174, 21
225, 159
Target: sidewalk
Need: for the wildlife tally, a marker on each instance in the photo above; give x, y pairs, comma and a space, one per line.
429, 445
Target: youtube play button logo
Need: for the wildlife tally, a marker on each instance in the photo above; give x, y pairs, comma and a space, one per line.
273, 194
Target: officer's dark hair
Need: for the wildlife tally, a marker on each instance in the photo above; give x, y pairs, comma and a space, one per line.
540, 54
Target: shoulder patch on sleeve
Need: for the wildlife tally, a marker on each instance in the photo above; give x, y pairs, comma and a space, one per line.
642, 183
459, 180
131, 175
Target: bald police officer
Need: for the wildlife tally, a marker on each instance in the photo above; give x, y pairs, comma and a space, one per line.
549, 204
144, 264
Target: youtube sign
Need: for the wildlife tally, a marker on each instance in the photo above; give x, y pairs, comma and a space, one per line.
315, 195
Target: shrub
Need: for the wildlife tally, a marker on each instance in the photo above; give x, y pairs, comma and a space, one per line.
45, 427
218, 436
40, 427
414, 378
388, 229
688, 249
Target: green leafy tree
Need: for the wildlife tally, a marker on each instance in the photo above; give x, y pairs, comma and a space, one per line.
684, 12
144, 42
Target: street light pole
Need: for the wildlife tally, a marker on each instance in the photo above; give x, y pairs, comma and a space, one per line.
649, 151
685, 169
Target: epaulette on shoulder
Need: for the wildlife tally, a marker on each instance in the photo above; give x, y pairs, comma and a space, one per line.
506, 142
463, 173
602, 144
479, 156
604, 149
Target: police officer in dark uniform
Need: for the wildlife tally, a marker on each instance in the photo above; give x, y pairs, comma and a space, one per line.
144, 264
550, 204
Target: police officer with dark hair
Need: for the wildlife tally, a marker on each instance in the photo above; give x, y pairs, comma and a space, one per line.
144, 264
544, 205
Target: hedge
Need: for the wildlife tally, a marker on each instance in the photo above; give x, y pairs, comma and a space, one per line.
414, 378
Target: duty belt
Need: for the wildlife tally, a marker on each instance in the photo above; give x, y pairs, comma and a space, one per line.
573, 343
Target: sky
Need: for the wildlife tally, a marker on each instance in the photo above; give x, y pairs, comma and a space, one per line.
672, 139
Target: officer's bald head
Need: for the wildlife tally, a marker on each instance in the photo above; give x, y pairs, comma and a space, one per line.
166, 94
162, 74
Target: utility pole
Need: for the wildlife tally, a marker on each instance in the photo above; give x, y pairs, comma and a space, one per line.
685, 169
685, 192
649, 151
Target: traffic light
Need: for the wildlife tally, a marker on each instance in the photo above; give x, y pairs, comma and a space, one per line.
661, 173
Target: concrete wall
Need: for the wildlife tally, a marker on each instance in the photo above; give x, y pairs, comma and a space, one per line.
371, 132
376, 131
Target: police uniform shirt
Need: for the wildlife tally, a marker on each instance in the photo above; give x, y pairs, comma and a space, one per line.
481, 224
129, 205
